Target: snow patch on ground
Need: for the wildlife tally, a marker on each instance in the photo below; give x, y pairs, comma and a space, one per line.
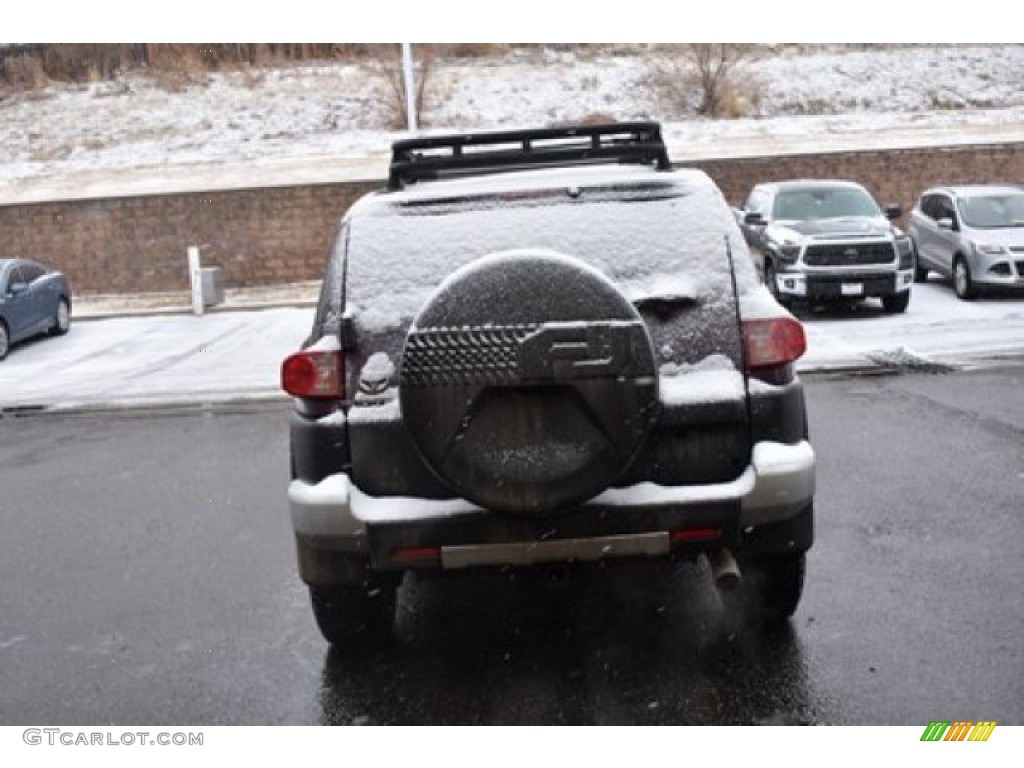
227, 356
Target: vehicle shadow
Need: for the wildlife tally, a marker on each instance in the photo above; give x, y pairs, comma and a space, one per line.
630, 644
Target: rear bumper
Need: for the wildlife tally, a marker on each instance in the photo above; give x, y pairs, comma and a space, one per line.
641, 520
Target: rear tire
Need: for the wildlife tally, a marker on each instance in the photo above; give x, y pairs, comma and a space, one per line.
5, 340
355, 614
772, 587
896, 302
962, 282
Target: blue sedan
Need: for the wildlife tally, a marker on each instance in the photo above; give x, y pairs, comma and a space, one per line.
34, 299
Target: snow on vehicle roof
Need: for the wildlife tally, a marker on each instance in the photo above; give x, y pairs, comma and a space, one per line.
980, 189
542, 178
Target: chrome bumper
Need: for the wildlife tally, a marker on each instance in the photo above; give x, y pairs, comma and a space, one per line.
777, 485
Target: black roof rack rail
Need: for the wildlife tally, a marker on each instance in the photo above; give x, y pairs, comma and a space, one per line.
434, 157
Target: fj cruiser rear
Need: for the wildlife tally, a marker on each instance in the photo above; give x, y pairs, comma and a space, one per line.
544, 347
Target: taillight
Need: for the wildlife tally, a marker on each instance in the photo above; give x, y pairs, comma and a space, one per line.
316, 375
695, 534
771, 343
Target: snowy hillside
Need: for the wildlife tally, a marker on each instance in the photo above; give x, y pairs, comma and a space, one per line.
343, 110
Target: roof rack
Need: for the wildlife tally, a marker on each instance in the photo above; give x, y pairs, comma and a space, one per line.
434, 157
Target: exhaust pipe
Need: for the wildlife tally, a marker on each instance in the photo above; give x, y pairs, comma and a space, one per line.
725, 571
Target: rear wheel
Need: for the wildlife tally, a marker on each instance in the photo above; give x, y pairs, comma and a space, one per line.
5, 340
772, 587
962, 282
350, 614
62, 318
896, 302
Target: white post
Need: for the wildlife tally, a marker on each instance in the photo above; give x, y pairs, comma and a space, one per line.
195, 276
410, 89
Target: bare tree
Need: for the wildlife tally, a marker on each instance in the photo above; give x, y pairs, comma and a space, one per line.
715, 63
706, 78
388, 68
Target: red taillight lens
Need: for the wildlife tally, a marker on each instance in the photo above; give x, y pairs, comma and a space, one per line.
695, 534
314, 375
772, 342
417, 554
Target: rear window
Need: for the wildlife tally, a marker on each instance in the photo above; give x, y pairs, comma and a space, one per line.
638, 235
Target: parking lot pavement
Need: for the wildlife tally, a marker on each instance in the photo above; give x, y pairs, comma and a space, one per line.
150, 358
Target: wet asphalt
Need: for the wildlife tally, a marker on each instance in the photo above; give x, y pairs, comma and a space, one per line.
147, 577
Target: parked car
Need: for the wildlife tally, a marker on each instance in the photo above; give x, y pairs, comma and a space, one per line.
545, 348
973, 234
34, 299
827, 242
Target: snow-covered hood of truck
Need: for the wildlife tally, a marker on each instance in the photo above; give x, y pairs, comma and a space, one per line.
849, 227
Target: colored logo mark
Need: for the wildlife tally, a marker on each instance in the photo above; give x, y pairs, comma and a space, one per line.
959, 730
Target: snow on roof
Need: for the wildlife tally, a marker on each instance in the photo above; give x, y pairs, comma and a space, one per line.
982, 189
565, 177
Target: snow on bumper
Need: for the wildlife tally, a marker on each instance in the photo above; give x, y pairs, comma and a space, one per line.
784, 484
778, 484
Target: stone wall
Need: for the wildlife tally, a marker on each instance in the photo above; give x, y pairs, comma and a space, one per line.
138, 244
893, 176
281, 234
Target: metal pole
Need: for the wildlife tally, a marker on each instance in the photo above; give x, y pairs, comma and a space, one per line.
410, 98
196, 279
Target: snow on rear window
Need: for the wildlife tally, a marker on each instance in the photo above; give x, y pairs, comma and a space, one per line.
652, 239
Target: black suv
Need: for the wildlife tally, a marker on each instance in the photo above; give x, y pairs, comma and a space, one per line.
545, 347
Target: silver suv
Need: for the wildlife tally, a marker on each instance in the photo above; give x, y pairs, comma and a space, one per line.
974, 234
827, 242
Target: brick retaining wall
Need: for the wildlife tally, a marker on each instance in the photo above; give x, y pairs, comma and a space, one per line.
893, 175
281, 234
137, 244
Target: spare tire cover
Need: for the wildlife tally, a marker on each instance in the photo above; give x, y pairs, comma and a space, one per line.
528, 381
